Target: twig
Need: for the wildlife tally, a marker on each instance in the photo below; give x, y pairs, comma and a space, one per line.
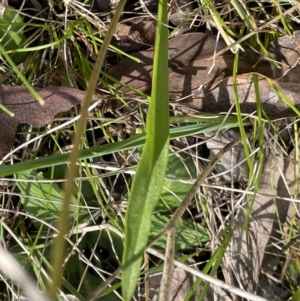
209, 278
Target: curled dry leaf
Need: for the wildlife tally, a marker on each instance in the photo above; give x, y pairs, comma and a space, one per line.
252, 251
191, 66
135, 34
28, 110
143, 32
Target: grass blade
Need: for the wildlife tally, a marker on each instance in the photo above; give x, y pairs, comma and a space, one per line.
134, 141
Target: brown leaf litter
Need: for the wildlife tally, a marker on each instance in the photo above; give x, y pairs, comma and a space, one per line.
191, 66
190, 59
28, 110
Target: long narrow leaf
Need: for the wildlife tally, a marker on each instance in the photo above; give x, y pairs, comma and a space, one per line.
132, 142
147, 184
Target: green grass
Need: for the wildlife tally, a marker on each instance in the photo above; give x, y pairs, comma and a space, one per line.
74, 217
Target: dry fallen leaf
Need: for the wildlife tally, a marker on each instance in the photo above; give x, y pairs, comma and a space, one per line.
253, 250
190, 60
135, 34
28, 110
221, 97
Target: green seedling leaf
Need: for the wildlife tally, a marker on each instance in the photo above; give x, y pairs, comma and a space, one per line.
109, 241
148, 181
85, 189
11, 24
42, 200
296, 296
188, 233
179, 168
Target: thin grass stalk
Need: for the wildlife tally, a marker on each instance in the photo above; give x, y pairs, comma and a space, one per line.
60, 243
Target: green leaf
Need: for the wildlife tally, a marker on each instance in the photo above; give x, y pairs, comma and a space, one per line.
188, 233
41, 200
109, 241
148, 181
11, 30
97, 151
174, 191
296, 296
